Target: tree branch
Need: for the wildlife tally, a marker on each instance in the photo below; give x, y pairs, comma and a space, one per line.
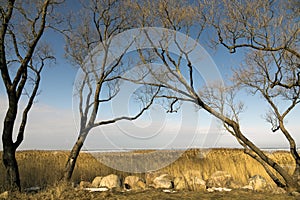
125, 117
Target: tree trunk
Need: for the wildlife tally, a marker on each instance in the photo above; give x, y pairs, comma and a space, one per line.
11, 166
297, 172
70, 165
296, 175
291, 183
9, 148
292, 186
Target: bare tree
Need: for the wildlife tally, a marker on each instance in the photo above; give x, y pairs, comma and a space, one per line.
271, 30
268, 32
263, 25
22, 59
89, 47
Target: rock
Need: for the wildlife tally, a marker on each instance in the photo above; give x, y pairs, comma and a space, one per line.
247, 187
219, 179
110, 181
193, 183
4, 195
192, 180
150, 176
258, 183
141, 184
226, 189
84, 184
219, 189
134, 183
104, 189
96, 182
32, 189
163, 181
169, 191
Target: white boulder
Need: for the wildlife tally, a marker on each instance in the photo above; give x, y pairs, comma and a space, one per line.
110, 181
163, 181
4, 195
97, 181
134, 183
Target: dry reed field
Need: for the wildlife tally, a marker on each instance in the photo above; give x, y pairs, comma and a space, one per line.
44, 169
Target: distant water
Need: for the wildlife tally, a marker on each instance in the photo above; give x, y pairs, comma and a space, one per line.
178, 149
279, 149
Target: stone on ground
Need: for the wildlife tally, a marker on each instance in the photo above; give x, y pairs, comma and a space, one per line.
163, 181
96, 182
134, 183
4, 195
110, 181
150, 176
84, 184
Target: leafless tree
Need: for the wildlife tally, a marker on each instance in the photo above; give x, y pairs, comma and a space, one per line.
22, 59
89, 47
268, 32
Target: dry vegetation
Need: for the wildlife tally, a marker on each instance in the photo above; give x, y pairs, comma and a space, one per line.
44, 168
70, 193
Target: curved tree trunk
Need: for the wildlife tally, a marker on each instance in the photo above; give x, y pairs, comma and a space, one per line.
291, 182
70, 165
296, 175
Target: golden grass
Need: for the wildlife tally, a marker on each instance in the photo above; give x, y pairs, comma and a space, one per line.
234, 161
44, 168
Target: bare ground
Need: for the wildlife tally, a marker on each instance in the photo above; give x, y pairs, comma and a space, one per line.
73, 194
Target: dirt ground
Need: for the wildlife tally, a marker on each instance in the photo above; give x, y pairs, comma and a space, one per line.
73, 194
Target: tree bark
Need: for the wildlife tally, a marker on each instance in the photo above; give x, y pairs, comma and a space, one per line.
70, 165
9, 149
290, 181
296, 175
11, 167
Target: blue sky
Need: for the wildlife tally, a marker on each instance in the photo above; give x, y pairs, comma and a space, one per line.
53, 125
